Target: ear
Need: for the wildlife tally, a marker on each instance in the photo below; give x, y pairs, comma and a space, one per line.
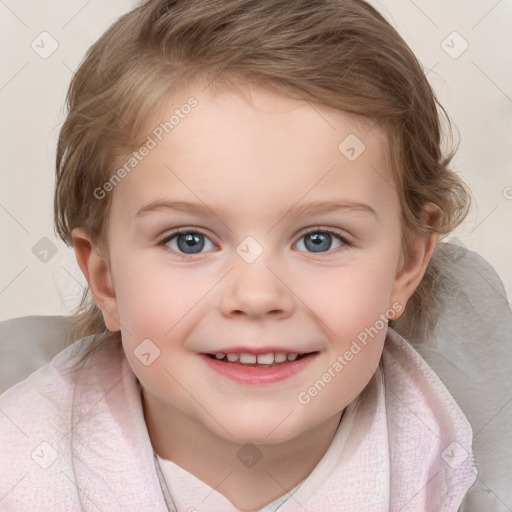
97, 272
414, 261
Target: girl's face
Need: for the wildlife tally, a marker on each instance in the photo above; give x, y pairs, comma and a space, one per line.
255, 230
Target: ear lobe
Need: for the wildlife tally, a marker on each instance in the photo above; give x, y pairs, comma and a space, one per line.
97, 272
413, 263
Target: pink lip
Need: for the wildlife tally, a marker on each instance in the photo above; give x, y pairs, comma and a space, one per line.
247, 374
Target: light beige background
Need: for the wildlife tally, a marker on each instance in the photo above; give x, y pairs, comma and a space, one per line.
475, 87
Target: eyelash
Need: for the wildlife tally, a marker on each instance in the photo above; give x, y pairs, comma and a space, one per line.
187, 231
329, 231
177, 232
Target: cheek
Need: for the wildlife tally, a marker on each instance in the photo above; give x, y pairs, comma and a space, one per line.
157, 312
354, 321
342, 379
350, 298
152, 298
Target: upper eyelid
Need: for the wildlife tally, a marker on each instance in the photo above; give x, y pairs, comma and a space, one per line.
182, 231
324, 229
304, 231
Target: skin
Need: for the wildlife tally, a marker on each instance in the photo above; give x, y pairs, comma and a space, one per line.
249, 158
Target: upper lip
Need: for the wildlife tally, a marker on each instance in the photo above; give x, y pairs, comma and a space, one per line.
258, 350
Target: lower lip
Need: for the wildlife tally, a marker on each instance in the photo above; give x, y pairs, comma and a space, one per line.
258, 374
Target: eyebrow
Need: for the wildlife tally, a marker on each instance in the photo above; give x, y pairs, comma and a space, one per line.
290, 211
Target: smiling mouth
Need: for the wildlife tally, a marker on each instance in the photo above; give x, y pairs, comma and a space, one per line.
268, 360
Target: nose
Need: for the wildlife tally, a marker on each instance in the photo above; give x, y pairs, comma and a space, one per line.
256, 291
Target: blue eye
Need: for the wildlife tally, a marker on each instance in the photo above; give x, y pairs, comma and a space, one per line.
189, 242
320, 241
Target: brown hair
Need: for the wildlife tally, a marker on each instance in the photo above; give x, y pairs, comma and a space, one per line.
338, 53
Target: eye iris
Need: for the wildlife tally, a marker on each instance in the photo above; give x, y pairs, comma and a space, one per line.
318, 242
190, 243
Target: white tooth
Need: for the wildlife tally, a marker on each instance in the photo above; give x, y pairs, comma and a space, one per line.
247, 358
280, 357
233, 357
292, 356
266, 358
220, 355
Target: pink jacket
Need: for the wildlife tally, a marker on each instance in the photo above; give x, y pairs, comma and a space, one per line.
78, 441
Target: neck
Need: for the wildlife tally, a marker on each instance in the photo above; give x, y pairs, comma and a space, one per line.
233, 469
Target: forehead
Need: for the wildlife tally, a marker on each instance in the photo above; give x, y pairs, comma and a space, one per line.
252, 146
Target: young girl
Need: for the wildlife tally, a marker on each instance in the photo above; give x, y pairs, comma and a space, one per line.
254, 190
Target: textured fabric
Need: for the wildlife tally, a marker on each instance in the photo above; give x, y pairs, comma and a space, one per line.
78, 441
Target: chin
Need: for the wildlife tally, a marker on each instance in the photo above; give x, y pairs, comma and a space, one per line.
261, 437
268, 430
